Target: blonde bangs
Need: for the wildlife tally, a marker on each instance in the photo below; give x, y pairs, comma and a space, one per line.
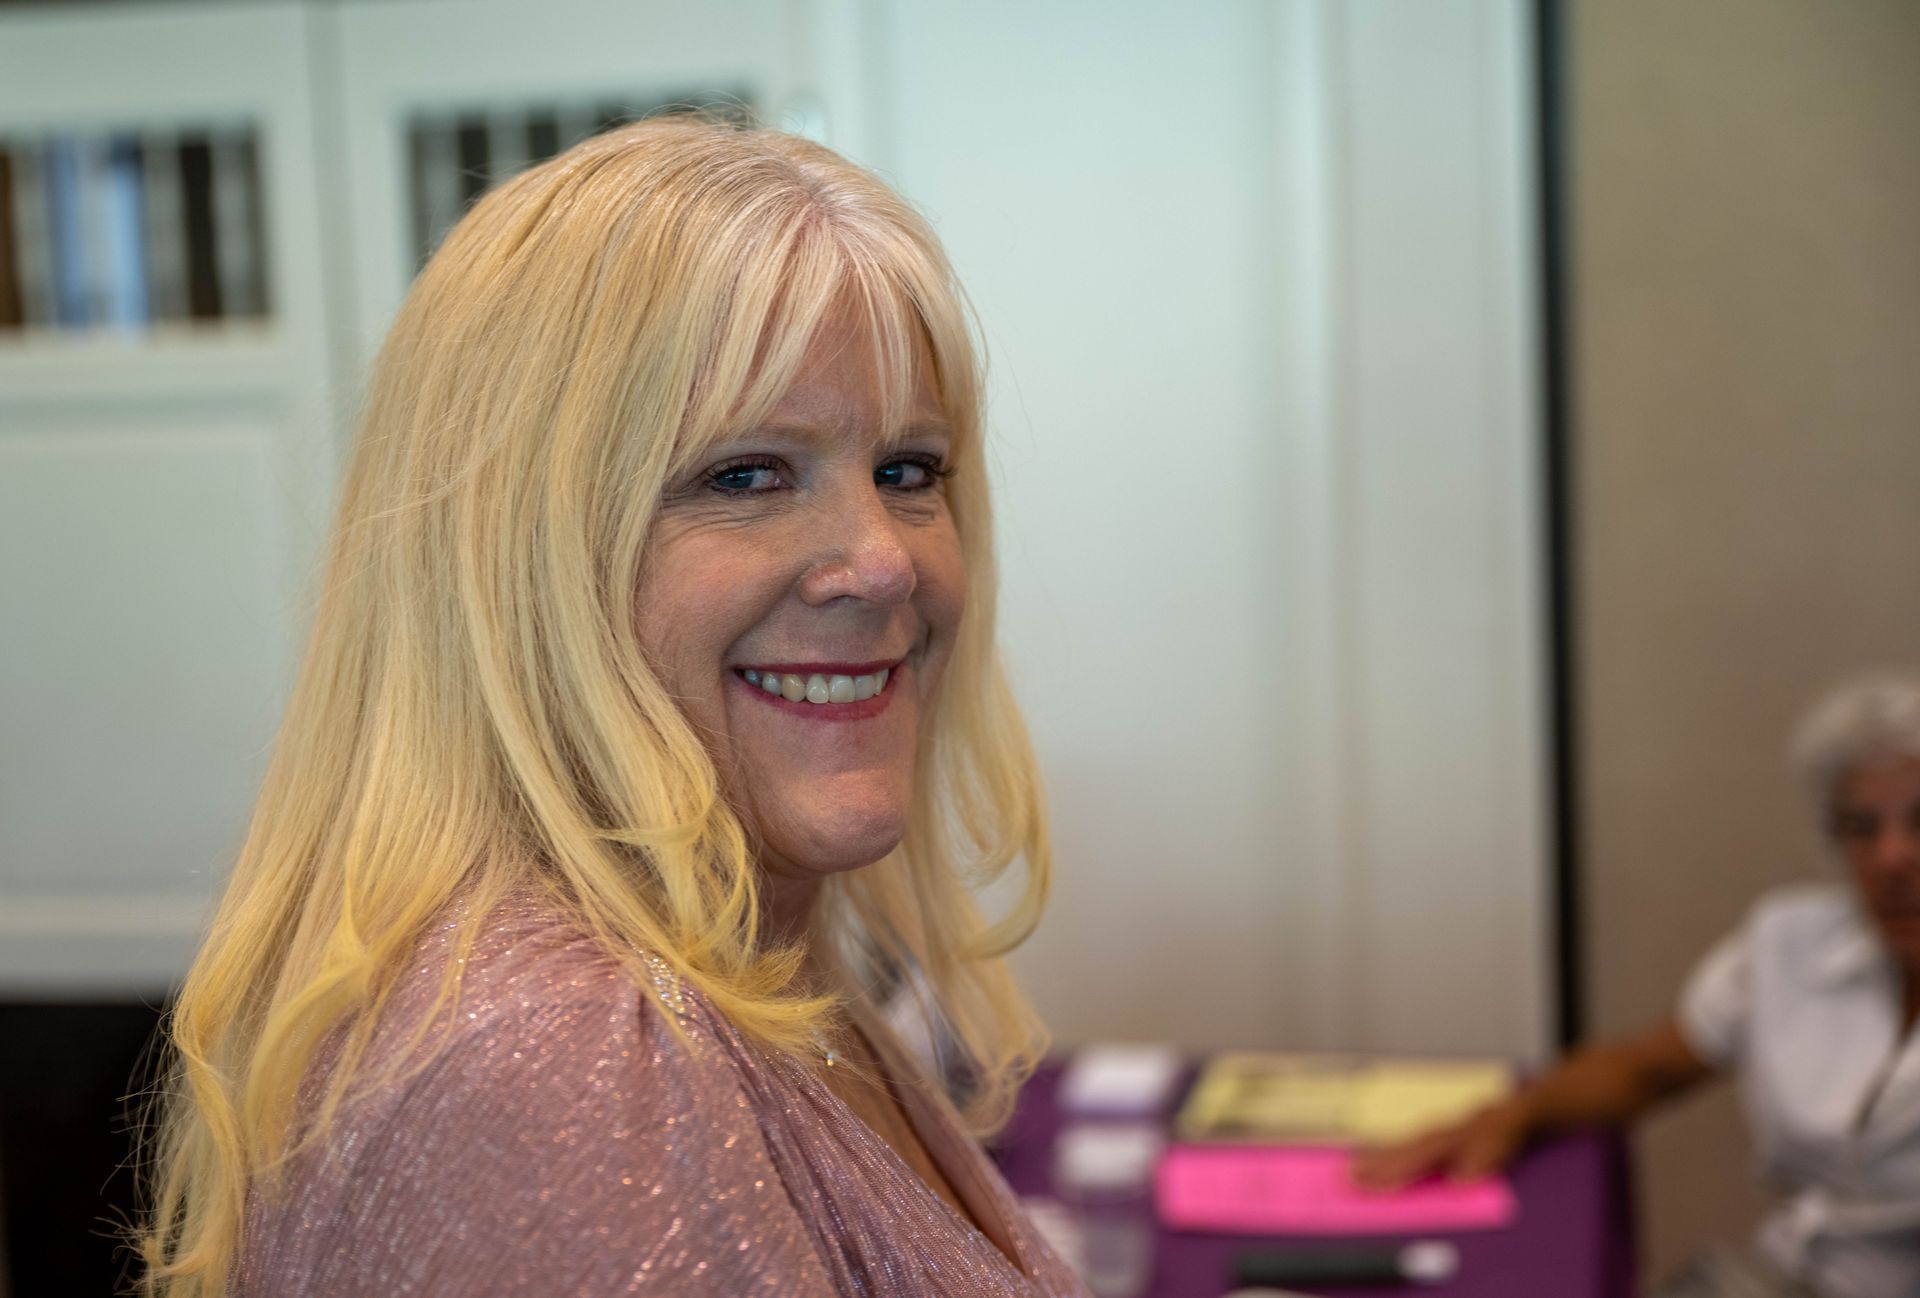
898, 297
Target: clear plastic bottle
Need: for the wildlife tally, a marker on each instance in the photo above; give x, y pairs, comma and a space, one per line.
1103, 1174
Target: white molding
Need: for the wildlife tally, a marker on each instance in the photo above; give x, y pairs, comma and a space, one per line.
236, 359
121, 66
1520, 542
110, 944
64, 957
1434, 440
1319, 1002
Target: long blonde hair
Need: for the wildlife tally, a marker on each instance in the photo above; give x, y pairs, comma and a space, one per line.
473, 715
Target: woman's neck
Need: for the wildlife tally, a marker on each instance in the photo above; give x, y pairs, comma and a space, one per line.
786, 908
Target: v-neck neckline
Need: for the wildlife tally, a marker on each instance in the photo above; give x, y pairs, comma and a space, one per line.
933, 1121
1901, 1060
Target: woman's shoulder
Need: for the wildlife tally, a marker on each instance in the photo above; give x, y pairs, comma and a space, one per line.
542, 1128
1801, 913
525, 989
523, 956
1812, 933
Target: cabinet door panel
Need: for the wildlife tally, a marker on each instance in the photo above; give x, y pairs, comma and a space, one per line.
144, 641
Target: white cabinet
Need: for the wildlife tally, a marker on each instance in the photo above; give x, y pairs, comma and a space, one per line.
161, 492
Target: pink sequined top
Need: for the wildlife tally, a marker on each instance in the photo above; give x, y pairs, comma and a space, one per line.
564, 1142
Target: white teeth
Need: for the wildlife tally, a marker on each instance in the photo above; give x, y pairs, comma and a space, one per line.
818, 688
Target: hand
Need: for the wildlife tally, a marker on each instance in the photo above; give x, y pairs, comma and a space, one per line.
1479, 1146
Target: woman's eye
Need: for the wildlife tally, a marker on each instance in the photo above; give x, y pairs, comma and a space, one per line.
745, 477
910, 473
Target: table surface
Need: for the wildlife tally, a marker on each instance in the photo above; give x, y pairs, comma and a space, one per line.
1573, 1237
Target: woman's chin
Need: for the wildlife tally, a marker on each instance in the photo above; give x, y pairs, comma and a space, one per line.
813, 828
850, 842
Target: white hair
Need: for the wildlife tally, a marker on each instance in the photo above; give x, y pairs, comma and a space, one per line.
1866, 719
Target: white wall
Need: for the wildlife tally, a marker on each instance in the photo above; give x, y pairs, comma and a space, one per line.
1254, 278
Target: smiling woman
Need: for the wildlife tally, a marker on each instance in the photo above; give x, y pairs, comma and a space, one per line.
650, 730
815, 553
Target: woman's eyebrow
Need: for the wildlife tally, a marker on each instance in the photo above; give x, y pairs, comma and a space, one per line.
787, 429
812, 431
930, 426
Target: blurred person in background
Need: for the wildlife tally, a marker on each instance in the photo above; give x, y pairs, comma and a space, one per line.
1811, 1004
650, 721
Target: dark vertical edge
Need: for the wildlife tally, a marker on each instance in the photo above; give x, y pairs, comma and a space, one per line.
423, 230
470, 139
423, 221
196, 205
1553, 141
12, 308
165, 207
543, 134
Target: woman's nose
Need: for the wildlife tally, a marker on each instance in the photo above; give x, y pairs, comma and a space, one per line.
861, 553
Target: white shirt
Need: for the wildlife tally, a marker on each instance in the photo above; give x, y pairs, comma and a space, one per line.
1803, 1002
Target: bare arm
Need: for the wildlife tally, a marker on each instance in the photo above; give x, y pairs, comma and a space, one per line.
1600, 1085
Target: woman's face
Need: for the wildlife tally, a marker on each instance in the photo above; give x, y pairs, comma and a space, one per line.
1876, 824
800, 598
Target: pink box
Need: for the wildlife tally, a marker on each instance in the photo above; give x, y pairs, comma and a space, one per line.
1291, 1190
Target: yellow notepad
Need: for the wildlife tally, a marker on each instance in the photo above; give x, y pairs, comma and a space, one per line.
1335, 1099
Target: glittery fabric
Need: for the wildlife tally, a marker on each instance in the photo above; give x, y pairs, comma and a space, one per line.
563, 1142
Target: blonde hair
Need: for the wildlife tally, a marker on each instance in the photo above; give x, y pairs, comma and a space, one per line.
474, 716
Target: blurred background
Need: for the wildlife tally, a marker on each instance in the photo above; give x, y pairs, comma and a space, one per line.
1441, 445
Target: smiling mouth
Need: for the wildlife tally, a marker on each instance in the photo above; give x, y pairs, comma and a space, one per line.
852, 685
